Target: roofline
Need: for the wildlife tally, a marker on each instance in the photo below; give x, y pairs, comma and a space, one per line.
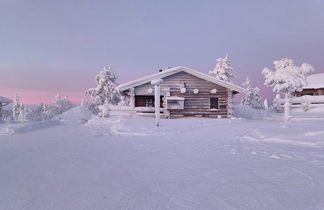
6, 100
174, 70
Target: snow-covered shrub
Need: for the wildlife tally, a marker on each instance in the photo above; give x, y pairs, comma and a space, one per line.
89, 106
252, 96
5, 115
276, 103
286, 79
223, 69
103, 110
306, 102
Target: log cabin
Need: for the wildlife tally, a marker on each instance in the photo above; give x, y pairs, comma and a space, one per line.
314, 87
184, 93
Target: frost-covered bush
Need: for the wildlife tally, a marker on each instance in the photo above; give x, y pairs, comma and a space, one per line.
252, 96
306, 102
286, 79
223, 69
103, 110
276, 103
89, 106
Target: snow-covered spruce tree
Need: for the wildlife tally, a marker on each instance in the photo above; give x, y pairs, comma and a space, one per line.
252, 96
286, 79
105, 93
16, 108
223, 69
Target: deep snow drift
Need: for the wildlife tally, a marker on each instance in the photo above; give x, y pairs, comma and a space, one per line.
192, 163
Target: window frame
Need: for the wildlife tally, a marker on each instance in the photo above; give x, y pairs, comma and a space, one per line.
212, 103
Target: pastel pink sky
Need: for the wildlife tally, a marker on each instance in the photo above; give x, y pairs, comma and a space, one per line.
50, 47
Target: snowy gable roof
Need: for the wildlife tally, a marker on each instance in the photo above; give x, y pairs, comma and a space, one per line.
315, 81
174, 70
5, 100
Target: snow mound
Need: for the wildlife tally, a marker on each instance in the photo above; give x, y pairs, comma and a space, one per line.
121, 126
247, 112
76, 115
19, 128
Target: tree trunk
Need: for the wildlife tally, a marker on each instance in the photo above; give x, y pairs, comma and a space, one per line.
287, 107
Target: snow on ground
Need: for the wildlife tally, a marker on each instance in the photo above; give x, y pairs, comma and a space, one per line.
191, 163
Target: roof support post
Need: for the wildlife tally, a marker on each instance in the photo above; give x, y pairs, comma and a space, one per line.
157, 102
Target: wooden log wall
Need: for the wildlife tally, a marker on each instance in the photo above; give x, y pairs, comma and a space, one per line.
194, 104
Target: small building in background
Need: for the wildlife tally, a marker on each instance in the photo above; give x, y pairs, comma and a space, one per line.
315, 86
3, 102
184, 93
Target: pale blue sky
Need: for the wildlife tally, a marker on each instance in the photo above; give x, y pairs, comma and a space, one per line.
59, 46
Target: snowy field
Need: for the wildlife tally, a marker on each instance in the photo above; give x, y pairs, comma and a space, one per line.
192, 163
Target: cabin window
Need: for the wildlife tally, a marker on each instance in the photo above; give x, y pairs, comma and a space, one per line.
146, 101
214, 103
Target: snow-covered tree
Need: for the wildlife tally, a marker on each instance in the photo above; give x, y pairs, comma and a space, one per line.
62, 104
105, 92
223, 69
252, 96
16, 108
39, 112
286, 79
22, 113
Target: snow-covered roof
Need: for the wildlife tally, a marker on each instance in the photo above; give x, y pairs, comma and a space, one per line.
315, 81
174, 70
5, 100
